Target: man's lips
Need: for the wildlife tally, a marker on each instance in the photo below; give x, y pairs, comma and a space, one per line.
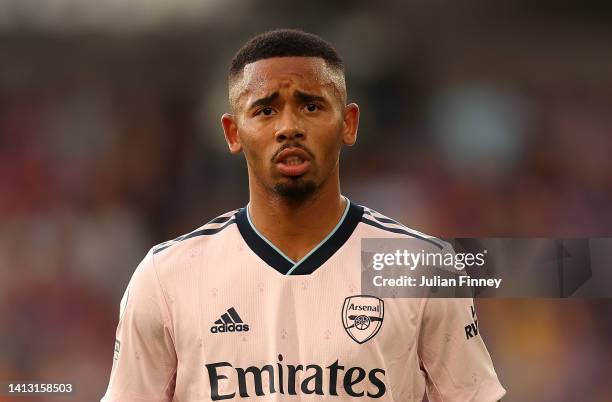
292, 162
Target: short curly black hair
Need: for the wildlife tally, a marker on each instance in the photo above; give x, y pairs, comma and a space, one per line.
285, 43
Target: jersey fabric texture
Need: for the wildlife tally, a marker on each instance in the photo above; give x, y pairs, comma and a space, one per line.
222, 314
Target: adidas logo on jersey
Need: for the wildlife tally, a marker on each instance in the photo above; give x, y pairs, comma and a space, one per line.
229, 322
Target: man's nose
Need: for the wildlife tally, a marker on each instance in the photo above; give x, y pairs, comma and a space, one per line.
289, 127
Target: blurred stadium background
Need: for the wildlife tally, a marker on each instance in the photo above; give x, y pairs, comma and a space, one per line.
479, 118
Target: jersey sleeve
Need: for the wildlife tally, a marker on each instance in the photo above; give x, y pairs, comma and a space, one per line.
144, 365
453, 355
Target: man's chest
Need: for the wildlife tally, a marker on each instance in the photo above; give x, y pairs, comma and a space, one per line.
259, 331
251, 305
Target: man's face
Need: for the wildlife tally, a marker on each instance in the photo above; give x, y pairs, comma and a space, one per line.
291, 122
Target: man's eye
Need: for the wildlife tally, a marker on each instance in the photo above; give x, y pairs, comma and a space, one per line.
267, 111
311, 107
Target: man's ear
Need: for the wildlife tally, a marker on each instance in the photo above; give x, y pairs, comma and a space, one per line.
230, 129
350, 124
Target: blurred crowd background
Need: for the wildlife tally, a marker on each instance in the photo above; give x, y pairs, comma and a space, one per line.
479, 118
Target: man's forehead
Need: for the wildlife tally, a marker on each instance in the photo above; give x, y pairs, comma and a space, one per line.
309, 68
268, 75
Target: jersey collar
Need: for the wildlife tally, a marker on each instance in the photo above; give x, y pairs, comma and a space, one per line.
275, 258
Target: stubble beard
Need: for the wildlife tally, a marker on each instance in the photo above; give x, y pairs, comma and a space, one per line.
297, 190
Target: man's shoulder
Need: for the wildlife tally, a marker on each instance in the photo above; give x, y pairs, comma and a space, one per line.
377, 225
212, 231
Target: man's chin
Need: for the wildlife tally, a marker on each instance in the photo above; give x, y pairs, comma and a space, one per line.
295, 189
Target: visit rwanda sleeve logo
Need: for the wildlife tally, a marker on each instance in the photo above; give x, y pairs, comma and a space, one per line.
362, 317
117, 348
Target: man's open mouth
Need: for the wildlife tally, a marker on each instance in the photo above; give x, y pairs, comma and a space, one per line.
293, 162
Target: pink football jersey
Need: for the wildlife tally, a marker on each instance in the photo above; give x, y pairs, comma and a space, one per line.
222, 314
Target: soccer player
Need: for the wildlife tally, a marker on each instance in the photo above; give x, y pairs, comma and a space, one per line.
263, 303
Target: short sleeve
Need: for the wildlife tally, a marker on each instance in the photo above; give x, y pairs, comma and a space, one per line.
453, 355
144, 365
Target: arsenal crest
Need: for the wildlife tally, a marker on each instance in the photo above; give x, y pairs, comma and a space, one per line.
362, 317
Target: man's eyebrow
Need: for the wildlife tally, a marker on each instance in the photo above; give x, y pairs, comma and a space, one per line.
305, 97
264, 101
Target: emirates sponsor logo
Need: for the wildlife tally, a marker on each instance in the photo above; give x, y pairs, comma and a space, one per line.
229, 382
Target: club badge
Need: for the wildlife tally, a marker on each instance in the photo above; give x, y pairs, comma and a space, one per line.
362, 317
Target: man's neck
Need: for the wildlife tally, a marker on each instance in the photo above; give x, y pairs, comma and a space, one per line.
296, 228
